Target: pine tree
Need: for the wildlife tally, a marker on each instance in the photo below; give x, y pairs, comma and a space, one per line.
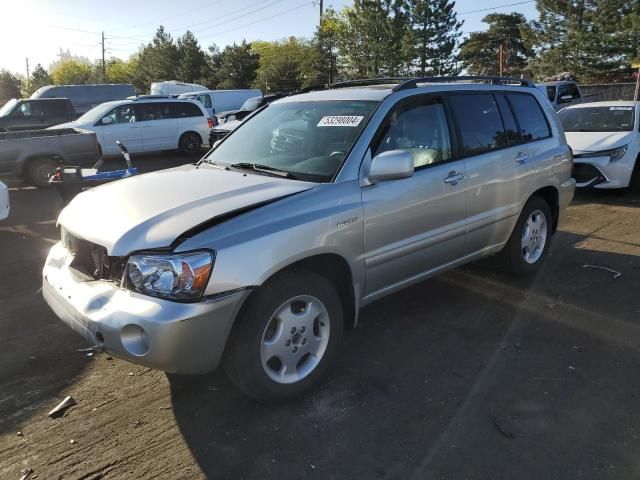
39, 78
158, 61
192, 61
235, 67
480, 52
433, 37
9, 86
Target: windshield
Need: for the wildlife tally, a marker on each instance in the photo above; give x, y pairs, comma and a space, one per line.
307, 139
597, 119
8, 107
251, 104
95, 114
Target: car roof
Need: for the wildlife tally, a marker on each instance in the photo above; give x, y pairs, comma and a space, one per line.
380, 92
553, 83
605, 103
137, 101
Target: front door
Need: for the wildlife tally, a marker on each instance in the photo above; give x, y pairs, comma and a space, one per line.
415, 225
122, 126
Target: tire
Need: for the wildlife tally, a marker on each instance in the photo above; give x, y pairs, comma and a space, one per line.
269, 351
528, 245
634, 181
190, 143
38, 170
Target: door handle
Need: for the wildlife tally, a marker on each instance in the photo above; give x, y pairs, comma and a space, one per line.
521, 157
454, 178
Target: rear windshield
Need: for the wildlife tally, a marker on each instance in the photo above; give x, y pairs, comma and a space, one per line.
597, 119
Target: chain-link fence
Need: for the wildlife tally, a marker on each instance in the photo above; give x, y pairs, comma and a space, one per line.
608, 91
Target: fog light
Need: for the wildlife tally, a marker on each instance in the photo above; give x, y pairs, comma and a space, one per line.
134, 340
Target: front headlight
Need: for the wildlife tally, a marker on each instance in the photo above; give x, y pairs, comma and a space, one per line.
176, 276
613, 154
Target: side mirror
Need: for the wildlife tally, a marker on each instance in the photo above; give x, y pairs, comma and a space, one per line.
391, 165
106, 120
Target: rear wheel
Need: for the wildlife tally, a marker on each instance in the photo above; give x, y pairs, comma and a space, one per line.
190, 143
38, 170
285, 337
529, 242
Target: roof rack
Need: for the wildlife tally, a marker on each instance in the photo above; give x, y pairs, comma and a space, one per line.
364, 82
413, 82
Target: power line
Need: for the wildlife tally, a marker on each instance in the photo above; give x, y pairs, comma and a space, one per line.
496, 7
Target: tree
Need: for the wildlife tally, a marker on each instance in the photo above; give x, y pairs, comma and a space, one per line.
121, 71
71, 71
480, 52
235, 67
192, 61
585, 37
9, 86
285, 65
158, 61
325, 41
434, 34
39, 78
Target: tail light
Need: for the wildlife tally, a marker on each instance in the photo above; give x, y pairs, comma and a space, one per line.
212, 122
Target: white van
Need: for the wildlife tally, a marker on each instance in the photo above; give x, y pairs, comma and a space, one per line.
174, 87
216, 101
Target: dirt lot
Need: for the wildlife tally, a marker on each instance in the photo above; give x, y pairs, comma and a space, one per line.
472, 375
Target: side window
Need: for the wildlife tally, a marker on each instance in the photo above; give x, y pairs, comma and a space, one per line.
510, 125
122, 114
54, 108
480, 124
186, 109
24, 110
532, 121
154, 111
569, 89
420, 127
205, 100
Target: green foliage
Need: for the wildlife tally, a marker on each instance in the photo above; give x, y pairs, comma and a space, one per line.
9, 86
285, 65
121, 71
157, 61
480, 52
192, 61
585, 37
71, 71
325, 42
39, 78
235, 67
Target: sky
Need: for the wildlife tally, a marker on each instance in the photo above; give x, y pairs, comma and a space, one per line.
39, 29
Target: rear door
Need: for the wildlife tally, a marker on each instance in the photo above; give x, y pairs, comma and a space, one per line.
417, 224
159, 126
123, 127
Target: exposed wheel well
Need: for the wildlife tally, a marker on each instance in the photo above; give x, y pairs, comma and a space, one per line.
28, 161
188, 132
550, 195
335, 269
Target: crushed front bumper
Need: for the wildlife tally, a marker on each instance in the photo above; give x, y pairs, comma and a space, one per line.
174, 337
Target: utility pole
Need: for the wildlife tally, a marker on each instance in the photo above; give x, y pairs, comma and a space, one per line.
104, 70
28, 74
321, 9
501, 59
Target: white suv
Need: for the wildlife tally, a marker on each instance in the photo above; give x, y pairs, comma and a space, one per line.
147, 125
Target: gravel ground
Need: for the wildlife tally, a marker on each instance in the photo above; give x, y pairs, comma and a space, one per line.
470, 375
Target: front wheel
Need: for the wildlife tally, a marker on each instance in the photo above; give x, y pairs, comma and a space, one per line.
190, 143
529, 242
285, 337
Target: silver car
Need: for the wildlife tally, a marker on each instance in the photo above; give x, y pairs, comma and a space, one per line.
260, 257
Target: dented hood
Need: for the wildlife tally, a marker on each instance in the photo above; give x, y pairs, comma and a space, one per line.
152, 210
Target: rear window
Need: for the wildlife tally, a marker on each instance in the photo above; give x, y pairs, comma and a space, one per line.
480, 123
597, 119
533, 124
186, 109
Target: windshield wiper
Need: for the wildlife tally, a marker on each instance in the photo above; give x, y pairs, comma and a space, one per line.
257, 167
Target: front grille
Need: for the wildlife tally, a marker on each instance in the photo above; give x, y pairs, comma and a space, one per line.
91, 260
587, 173
216, 135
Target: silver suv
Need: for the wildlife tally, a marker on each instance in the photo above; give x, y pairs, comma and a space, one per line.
260, 256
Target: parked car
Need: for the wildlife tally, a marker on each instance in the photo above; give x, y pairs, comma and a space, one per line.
147, 125
33, 154
4, 201
605, 139
26, 114
250, 105
268, 254
220, 100
173, 87
561, 93
85, 97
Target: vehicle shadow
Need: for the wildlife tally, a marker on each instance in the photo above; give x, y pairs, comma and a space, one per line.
521, 378
626, 197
